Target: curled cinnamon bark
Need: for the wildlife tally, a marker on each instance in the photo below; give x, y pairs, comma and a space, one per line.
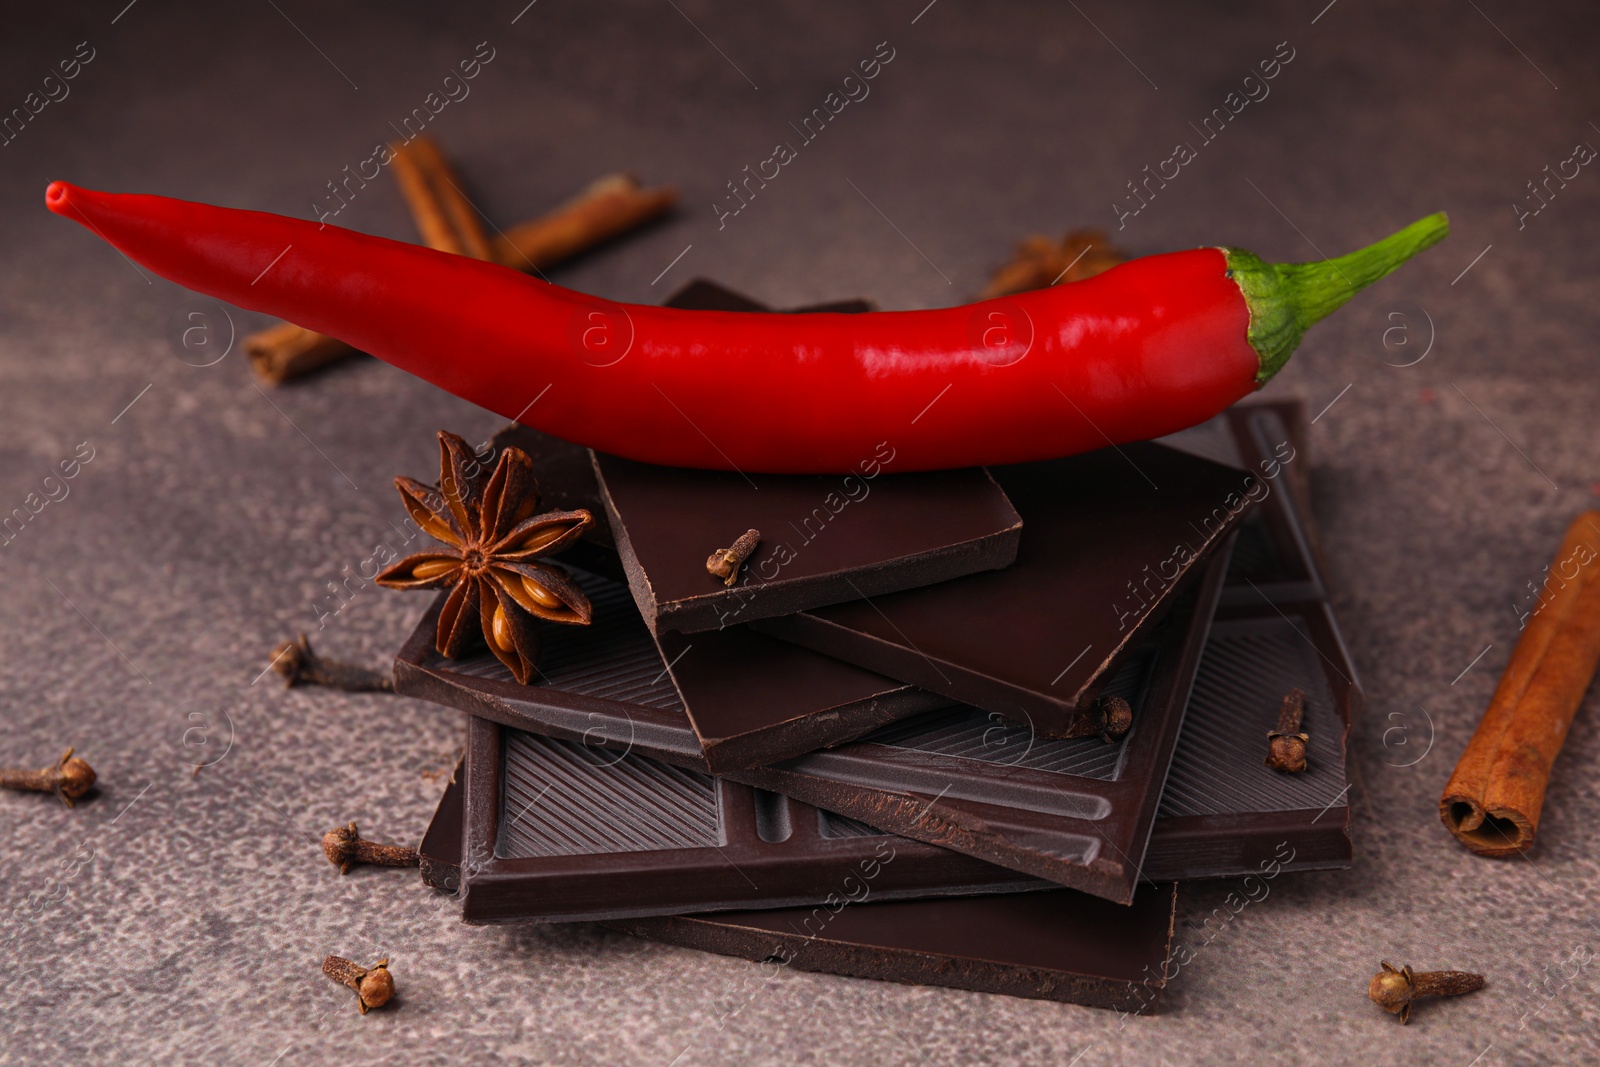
286, 351
446, 218
606, 208
1493, 799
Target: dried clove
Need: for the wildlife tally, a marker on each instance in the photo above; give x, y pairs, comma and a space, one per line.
1394, 990
298, 664
345, 848
1111, 717
1286, 746
724, 563
69, 779
373, 986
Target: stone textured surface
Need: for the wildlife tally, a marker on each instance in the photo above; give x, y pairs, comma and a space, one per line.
182, 917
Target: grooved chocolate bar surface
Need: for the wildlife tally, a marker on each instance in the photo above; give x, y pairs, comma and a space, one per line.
1110, 539
557, 831
824, 538
1048, 944
1225, 813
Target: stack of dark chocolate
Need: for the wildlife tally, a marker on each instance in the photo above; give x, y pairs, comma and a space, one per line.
964, 728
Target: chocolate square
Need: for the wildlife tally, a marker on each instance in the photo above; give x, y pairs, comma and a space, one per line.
825, 538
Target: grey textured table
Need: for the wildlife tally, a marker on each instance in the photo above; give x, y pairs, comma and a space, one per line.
181, 916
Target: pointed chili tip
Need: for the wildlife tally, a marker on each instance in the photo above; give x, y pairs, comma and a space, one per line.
57, 197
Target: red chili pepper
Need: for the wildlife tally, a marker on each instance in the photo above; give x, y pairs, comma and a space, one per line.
1145, 349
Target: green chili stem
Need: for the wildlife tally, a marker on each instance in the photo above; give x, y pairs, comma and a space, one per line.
1286, 299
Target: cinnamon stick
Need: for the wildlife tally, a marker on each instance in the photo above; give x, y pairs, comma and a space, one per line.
607, 207
287, 351
448, 222
1493, 799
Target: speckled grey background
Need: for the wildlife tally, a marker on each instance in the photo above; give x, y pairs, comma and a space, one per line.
181, 916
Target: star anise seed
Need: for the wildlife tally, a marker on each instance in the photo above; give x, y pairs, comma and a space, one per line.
493, 537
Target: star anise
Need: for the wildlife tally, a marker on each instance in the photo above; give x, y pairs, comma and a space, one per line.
1041, 262
492, 533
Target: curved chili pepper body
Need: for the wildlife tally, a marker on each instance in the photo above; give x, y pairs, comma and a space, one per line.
1145, 349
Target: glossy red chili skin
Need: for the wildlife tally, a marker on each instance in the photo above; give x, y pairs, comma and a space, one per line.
1148, 348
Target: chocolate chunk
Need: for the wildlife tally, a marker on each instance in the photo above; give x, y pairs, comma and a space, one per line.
1277, 557
1056, 945
754, 700
824, 538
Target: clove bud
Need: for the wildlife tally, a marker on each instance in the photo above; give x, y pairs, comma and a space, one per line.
69, 779
1286, 746
298, 664
373, 986
724, 563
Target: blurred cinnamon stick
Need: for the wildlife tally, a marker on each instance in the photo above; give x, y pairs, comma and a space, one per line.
1493, 799
607, 208
286, 351
447, 221
1040, 262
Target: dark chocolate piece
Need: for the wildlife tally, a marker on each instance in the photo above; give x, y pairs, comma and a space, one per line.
558, 832
1277, 557
440, 851
1051, 944
1056, 945
754, 700
1076, 812
825, 538
1103, 555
